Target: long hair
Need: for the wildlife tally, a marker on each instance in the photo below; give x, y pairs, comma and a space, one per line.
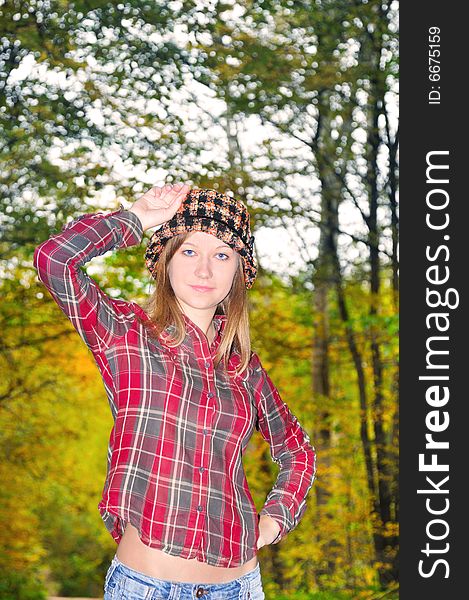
163, 310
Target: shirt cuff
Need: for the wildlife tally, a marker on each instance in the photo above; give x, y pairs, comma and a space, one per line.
131, 226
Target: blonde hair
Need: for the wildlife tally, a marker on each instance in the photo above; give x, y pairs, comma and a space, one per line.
163, 310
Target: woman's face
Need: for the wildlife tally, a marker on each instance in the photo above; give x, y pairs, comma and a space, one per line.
201, 271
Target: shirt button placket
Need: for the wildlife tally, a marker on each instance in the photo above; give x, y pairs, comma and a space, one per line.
205, 430
200, 508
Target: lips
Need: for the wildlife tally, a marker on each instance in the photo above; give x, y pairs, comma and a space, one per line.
201, 288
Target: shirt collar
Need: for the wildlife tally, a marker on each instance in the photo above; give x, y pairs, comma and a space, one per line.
195, 337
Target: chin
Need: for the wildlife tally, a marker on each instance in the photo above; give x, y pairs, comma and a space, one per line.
203, 302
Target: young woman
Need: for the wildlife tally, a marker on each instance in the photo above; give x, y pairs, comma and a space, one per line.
185, 391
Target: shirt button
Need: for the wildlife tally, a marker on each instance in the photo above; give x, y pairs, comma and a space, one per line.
200, 508
205, 431
201, 469
207, 363
210, 395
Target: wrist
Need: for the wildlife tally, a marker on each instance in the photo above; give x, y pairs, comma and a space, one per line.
277, 537
139, 215
270, 527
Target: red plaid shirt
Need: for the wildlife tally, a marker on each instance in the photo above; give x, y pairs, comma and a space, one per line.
174, 463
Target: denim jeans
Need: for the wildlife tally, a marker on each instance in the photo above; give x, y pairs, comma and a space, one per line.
124, 583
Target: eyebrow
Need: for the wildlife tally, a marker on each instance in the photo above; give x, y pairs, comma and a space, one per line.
195, 245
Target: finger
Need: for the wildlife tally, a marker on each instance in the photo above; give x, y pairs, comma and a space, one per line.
176, 199
166, 189
184, 189
167, 194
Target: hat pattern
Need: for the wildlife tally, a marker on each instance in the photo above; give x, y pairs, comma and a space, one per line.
213, 212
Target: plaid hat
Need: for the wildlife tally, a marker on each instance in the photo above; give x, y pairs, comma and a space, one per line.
213, 212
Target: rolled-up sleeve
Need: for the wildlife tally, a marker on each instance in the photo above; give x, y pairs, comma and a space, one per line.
290, 449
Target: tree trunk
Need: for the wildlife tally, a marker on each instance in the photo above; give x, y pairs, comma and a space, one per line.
322, 280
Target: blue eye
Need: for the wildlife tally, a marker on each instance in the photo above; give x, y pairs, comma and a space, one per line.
225, 256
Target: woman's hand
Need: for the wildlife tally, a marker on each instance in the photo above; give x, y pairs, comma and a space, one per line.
159, 204
268, 530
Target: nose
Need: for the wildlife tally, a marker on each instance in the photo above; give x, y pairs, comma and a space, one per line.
203, 268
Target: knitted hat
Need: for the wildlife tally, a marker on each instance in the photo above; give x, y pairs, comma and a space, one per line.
213, 212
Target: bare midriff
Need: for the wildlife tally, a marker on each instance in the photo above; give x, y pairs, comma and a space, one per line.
133, 553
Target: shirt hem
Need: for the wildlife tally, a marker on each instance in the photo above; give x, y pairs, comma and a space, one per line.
114, 521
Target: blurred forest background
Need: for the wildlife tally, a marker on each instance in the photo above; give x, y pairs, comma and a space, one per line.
292, 107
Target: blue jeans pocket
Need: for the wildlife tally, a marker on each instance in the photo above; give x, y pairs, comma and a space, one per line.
256, 591
120, 585
110, 580
110, 586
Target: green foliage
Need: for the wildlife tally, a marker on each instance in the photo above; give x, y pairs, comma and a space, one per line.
21, 587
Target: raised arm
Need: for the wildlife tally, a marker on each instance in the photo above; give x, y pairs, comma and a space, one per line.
98, 318
290, 448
